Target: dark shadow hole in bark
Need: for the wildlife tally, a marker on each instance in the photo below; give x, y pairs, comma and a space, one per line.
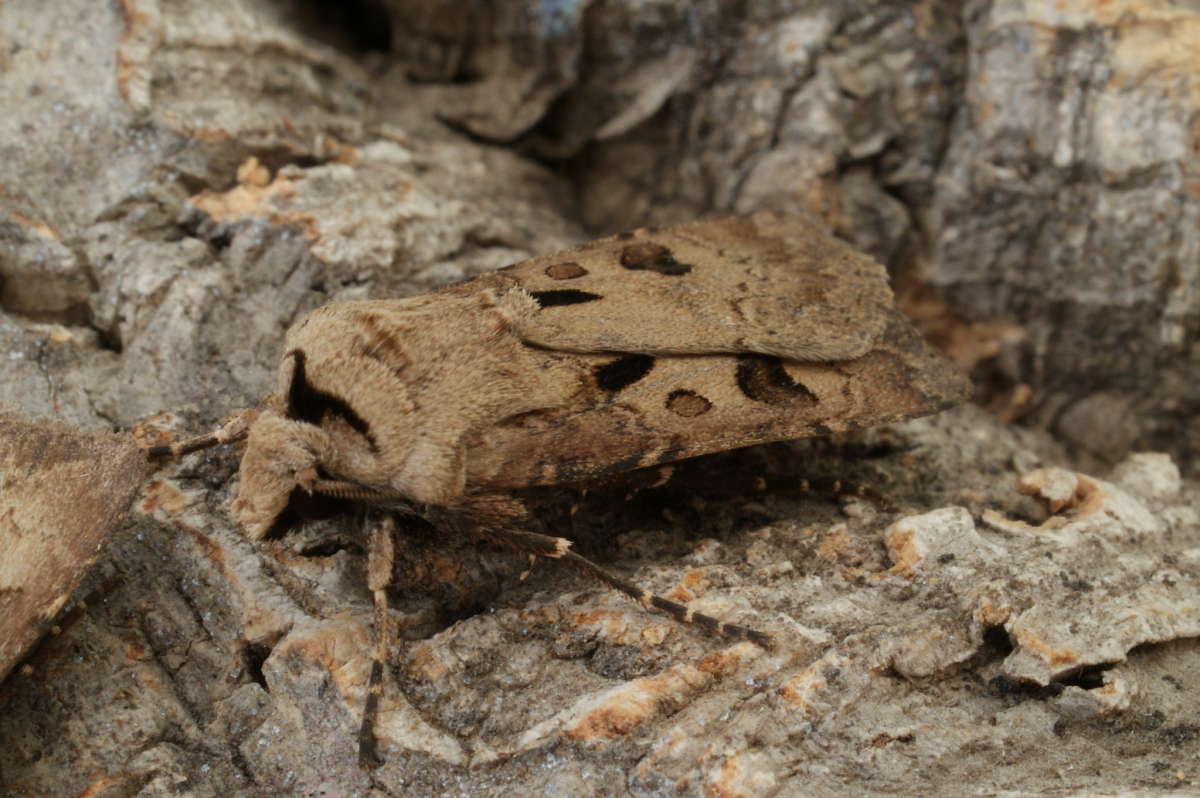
254, 656
1089, 678
1016, 691
328, 548
997, 641
352, 26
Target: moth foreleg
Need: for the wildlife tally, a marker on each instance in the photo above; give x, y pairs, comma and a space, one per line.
231, 430
560, 549
381, 560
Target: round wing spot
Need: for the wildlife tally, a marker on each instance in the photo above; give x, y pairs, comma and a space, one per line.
688, 404
648, 256
567, 270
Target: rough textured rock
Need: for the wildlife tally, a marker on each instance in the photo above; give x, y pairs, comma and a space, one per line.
181, 182
1067, 203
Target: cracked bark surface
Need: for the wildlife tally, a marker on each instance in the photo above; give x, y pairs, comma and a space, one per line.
181, 183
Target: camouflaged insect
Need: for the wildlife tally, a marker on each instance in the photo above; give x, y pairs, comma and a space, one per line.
628, 352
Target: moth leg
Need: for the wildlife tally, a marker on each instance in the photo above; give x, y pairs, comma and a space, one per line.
381, 559
560, 549
834, 488
231, 430
737, 483
743, 484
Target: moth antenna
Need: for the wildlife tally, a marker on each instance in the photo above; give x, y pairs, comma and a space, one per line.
353, 491
231, 430
560, 549
381, 560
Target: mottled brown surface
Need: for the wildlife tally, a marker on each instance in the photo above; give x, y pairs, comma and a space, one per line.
63, 492
487, 386
771, 284
901, 378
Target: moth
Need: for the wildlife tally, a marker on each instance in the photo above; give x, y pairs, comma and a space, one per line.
626, 353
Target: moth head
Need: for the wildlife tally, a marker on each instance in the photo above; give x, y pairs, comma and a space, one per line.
281, 461
287, 449
311, 429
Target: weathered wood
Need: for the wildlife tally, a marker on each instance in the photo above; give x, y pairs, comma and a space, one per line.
62, 494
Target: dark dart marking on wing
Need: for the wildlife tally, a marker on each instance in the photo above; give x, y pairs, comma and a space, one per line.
563, 296
623, 372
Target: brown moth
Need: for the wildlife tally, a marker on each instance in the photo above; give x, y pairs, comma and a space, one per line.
628, 352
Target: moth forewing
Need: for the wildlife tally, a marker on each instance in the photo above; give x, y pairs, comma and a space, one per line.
675, 407
766, 284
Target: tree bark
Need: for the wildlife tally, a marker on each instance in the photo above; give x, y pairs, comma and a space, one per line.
184, 181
